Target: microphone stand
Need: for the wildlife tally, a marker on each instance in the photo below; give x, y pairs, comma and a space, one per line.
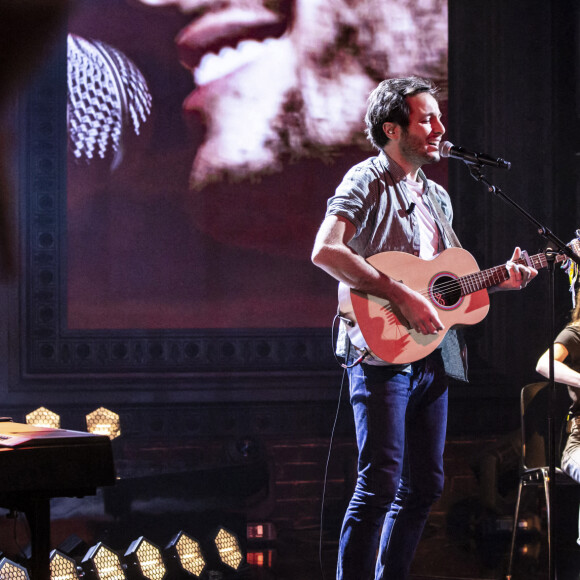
475, 169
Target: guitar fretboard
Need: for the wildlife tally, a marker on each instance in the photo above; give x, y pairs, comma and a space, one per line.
494, 276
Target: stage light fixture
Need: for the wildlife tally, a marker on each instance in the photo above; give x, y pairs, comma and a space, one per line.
73, 547
261, 531
229, 548
261, 557
188, 553
102, 563
10, 570
145, 557
63, 567
104, 422
42, 417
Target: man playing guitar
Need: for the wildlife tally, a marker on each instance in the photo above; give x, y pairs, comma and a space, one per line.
386, 204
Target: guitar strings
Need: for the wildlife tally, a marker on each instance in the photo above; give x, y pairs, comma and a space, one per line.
475, 278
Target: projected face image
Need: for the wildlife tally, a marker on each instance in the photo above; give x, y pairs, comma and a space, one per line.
249, 114
279, 80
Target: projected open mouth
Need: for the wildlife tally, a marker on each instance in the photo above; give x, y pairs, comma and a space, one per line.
219, 43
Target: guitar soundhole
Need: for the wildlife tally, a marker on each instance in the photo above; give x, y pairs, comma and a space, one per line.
445, 291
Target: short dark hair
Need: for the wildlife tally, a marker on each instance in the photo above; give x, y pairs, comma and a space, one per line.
387, 103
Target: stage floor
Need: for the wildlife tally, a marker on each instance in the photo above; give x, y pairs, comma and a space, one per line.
464, 543
467, 544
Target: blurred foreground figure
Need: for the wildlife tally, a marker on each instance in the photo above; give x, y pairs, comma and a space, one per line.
27, 27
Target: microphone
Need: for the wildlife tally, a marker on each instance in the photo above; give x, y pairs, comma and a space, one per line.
447, 149
106, 94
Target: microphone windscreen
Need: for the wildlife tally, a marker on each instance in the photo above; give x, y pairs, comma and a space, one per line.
445, 148
106, 92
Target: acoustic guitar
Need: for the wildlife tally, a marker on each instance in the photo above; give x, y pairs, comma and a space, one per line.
452, 282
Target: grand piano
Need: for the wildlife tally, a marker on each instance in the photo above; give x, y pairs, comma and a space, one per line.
40, 463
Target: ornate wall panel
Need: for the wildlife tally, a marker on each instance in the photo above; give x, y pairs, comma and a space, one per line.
51, 350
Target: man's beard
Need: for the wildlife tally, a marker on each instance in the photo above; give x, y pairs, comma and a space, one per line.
413, 149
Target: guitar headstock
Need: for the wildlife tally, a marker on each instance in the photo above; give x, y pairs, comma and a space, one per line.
574, 244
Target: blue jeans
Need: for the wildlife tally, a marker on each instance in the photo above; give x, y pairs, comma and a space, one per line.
400, 421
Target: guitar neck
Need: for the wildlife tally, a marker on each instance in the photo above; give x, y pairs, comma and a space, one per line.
494, 276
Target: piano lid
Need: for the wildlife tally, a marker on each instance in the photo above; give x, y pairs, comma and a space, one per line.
52, 462
18, 434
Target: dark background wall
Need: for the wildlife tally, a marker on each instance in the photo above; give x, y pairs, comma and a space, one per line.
514, 94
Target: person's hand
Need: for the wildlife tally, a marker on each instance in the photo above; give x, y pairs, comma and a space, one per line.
419, 313
519, 275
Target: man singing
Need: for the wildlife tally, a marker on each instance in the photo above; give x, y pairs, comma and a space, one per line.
386, 203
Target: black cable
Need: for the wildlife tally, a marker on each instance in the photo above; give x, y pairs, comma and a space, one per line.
337, 316
330, 443
365, 353
15, 516
332, 433
357, 361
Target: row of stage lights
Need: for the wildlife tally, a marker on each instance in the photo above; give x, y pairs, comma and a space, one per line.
142, 559
100, 422
182, 557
